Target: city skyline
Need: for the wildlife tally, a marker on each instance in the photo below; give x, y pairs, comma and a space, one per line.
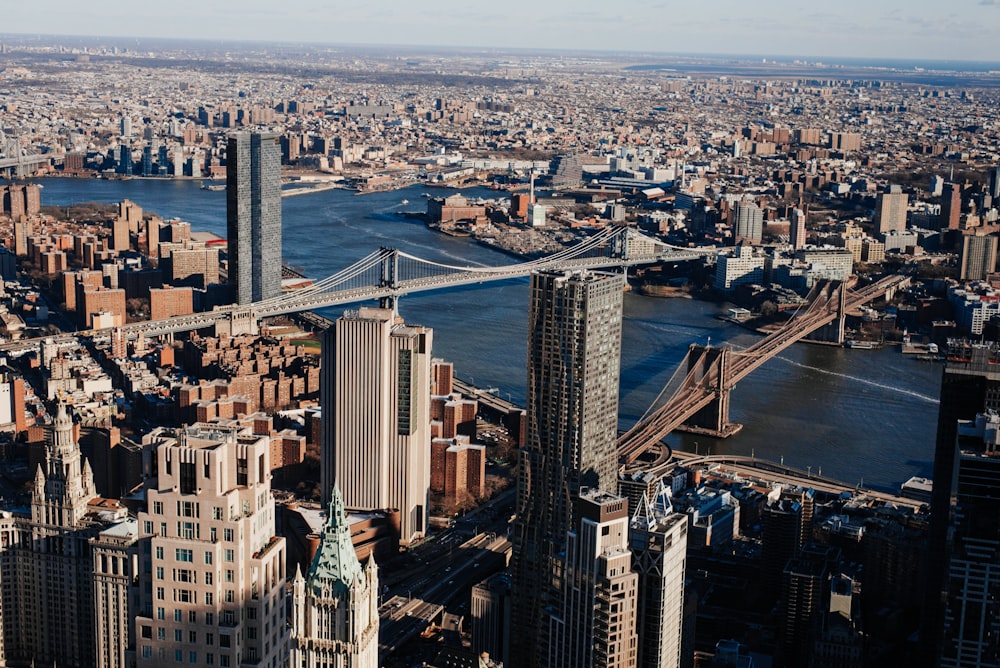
895, 30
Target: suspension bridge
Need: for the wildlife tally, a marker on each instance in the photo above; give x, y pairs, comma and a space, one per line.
388, 274
698, 392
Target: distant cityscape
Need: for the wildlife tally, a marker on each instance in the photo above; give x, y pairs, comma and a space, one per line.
199, 467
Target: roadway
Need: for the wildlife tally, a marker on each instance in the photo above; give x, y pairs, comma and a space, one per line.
441, 570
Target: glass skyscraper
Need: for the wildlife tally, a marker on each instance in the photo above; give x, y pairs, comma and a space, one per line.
253, 215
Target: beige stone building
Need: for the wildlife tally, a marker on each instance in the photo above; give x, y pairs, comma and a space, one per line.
335, 617
217, 569
375, 394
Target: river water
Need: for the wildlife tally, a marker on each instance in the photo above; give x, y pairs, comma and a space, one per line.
856, 415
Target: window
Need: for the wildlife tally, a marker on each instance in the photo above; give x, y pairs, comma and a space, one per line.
160, 594
209, 659
159, 551
209, 617
182, 554
147, 652
208, 577
178, 616
213, 534
178, 635
209, 639
227, 535
229, 556
209, 600
192, 616
251, 633
225, 640
161, 633
183, 575
163, 528
147, 527
187, 508
188, 479
404, 393
230, 596
161, 613
178, 655
159, 572
224, 660
217, 513
230, 575
208, 556
251, 612
193, 637
186, 530
147, 631
192, 657
184, 596
241, 471
157, 507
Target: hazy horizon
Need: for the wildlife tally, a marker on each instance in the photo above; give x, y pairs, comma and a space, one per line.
895, 29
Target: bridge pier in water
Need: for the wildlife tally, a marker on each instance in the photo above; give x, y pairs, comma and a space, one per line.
834, 332
709, 365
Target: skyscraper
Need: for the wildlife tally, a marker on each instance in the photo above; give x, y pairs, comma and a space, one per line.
951, 206
970, 385
890, 214
253, 215
972, 579
213, 592
978, 256
797, 229
574, 346
335, 606
375, 394
993, 189
748, 222
658, 539
593, 619
46, 574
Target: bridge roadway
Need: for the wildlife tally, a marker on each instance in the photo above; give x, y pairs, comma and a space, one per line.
752, 467
696, 395
291, 304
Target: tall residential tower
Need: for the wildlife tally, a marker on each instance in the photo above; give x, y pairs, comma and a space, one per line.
574, 345
253, 215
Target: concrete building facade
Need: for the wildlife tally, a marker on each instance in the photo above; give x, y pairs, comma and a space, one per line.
217, 568
375, 394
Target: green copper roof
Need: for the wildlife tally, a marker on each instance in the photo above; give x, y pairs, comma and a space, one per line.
336, 565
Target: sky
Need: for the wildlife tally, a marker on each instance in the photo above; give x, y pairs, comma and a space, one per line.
871, 29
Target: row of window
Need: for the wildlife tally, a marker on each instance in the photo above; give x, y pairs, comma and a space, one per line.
192, 656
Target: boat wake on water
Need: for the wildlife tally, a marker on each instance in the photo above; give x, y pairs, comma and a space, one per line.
864, 381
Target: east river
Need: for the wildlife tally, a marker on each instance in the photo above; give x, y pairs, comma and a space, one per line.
855, 415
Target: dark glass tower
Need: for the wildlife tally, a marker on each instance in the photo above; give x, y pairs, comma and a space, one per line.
253, 215
574, 350
970, 385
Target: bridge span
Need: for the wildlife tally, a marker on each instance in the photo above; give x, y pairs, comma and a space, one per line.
698, 393
388, 274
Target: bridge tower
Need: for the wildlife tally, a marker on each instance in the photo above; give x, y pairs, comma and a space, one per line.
710, 366
835, 331
619, 245
238, 321
389, 277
